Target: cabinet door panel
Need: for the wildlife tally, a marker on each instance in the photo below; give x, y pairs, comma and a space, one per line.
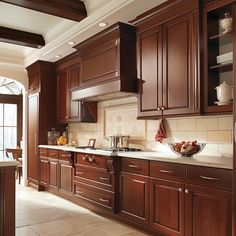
73, 75
150, 74
178, 71
66, 173
167, 211
33, 129
53, 166
43, 171
62, 96
134, 197
209, 212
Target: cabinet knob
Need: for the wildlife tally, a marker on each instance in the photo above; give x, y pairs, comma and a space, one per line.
181, 190
158, 108
84, 158
162, 108
186, 191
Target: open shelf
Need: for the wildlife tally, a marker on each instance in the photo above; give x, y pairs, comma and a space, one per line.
223, 67
224, 38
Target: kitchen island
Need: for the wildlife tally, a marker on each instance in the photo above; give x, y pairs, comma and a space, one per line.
7, 197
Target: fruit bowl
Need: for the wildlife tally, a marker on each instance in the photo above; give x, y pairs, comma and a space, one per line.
186, 148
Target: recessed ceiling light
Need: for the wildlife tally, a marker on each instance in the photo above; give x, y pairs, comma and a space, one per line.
72, 43
58, 56
103, 24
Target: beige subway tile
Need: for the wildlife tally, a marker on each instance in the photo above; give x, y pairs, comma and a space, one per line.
219, 137
153, 125
171, 124
177, 136
226, 149
225, 123
200, 136
210, 149
207, 124
187, 124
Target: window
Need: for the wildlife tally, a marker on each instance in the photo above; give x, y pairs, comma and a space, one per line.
8, 127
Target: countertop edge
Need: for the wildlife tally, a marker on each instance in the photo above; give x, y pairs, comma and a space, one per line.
203, 160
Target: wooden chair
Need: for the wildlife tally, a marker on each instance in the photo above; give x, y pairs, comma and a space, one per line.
16, 154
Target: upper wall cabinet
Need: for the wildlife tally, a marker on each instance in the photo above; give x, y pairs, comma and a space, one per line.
108, 57
68, 77
218, 56
168, 60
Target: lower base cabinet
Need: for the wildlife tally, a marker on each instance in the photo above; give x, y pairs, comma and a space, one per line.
134, 197
208, 212
167, 211
65, 177
53, 173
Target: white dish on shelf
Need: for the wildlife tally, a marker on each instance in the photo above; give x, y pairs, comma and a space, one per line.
223, 103
224, 58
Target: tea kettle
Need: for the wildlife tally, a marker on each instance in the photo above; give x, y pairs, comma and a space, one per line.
224, 92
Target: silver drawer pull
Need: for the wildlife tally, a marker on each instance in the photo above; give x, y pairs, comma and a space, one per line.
137, 181
84, 158
103, 178
80, 173
133, 166
103, 200
209, 178
167, 171
52, 154
91, 159
180, 190
65, 155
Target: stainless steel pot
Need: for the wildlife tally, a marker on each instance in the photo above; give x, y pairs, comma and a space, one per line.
118, 141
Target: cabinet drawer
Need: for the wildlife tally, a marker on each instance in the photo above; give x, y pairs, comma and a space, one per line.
93, 195
52, 153
43, 152
96, 177
135, 166
210, 177
169, 171
64, 156
91, 160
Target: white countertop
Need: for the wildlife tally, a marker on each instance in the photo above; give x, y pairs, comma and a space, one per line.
225, 162
6, 163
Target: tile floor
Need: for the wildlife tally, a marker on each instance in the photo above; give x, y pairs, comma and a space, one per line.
44, 214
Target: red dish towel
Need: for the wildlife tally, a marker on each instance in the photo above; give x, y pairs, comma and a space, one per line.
161, 133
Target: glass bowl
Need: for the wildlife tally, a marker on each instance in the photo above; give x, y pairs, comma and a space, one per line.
188, 150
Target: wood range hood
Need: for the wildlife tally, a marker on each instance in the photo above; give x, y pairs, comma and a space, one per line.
108, 64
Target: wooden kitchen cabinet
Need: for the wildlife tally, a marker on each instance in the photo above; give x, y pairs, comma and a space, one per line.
41, 113
109, 56
216, 43
66, 172
68, 77
168, 60
95, 182
43, 167
134, 190
167, 200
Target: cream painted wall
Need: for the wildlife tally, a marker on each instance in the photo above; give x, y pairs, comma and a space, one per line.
119, 116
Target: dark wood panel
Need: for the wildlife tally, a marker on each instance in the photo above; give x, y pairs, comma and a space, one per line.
44, 171
53, 174
134, 166
66, 177
209, 212
73, 10
150, 72
53, 153
178, 81
92, 160
167, 211
134, 197
168, 171
73, 76
62, 97
33, 136
94, 196
7, 201
20, 37
210, 177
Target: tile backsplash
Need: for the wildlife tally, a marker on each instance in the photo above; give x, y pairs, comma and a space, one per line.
119, 116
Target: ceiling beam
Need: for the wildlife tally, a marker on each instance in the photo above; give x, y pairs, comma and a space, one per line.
19, 37
69, 9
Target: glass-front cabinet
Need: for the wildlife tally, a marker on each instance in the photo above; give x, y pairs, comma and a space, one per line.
218, 57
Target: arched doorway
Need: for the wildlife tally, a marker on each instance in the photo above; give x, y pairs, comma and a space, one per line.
13, 105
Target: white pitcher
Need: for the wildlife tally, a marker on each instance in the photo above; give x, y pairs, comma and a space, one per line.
224, 92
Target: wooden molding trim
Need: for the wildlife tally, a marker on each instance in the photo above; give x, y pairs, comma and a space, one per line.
73, 9
19, 37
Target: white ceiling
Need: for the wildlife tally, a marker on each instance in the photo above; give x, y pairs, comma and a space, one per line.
58, 31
